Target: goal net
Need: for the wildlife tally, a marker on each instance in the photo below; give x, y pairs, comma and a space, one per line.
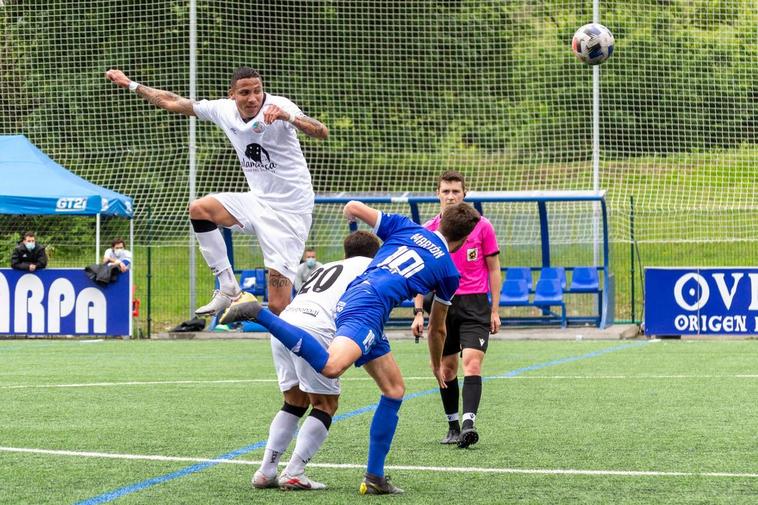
409, 89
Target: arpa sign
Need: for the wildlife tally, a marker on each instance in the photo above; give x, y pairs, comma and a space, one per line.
701, 301
63, 302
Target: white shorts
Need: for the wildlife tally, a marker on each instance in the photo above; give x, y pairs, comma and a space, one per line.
294, 371
282, 235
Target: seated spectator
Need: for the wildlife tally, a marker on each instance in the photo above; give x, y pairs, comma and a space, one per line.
28, 255
118, 255
306, 268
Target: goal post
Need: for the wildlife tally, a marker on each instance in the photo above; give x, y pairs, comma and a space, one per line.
535, 229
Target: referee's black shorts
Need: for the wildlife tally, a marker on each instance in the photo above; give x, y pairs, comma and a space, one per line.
468, 324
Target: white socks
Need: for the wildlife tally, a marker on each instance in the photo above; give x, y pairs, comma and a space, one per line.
213, 249
281, 431
311, 437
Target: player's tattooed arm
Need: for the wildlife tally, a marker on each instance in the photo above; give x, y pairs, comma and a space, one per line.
311, 127
166, 100
163, 99
277, 280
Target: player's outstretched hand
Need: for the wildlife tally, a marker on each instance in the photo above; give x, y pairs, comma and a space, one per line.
118, 78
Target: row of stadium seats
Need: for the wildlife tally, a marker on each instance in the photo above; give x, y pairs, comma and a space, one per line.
550, 287
518, 286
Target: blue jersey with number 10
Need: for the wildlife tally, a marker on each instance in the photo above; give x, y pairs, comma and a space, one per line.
412, 260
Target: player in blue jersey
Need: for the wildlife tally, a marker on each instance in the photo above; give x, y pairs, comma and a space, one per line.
412, 260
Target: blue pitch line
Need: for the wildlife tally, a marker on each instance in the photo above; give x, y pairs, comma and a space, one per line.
133, 488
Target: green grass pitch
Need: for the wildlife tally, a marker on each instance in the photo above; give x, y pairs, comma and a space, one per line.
583, 422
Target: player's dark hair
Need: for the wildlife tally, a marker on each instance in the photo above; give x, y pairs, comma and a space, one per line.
245, 73
118, 240
29, 234
361, 243
458, 221
452, 176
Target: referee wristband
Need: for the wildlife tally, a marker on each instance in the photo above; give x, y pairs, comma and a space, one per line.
133, 85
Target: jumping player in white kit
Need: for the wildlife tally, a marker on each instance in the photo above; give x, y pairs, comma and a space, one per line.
312, 310
277, 209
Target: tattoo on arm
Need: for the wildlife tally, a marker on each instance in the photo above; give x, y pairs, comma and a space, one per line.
166, 100
278, 280
311, 127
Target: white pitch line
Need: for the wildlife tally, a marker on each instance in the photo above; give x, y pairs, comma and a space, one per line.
356, 379
527, 471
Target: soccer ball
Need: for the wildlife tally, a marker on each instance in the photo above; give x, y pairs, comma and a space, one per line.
593, 44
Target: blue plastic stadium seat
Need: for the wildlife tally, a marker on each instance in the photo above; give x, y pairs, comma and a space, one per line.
254, 282
554, 273
585, 280
549, 293
516, 273
515, 292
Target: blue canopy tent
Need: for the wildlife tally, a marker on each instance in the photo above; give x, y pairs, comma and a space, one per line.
34, 184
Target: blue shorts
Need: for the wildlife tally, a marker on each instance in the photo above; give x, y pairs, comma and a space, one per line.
360, 317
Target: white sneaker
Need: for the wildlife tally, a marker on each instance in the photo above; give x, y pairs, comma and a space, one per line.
219, 303
299, 482
263, 481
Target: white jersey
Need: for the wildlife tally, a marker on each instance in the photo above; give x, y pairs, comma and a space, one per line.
315, 305
269, 154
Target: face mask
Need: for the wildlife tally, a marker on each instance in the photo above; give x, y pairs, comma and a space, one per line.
118, 253
30, 245
311, 262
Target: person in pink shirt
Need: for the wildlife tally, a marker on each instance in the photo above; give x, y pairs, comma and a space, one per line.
470, 319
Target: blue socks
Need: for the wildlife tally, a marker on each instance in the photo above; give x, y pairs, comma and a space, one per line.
382, 430
299, 341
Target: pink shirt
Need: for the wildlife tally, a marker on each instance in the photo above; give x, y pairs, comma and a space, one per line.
470, 259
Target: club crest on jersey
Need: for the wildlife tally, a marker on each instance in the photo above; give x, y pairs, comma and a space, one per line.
258, 126
472, 254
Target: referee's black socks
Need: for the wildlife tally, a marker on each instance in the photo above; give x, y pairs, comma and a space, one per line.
450, 403
472, 393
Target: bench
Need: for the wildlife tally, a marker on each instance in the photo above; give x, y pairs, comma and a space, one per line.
518, 290
549, 291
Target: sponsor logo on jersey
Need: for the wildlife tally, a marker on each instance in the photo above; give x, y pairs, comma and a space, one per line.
305, 310
259, 159
472, 254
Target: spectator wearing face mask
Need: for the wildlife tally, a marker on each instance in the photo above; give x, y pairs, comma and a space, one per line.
306, 268
118, 255
28, 255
